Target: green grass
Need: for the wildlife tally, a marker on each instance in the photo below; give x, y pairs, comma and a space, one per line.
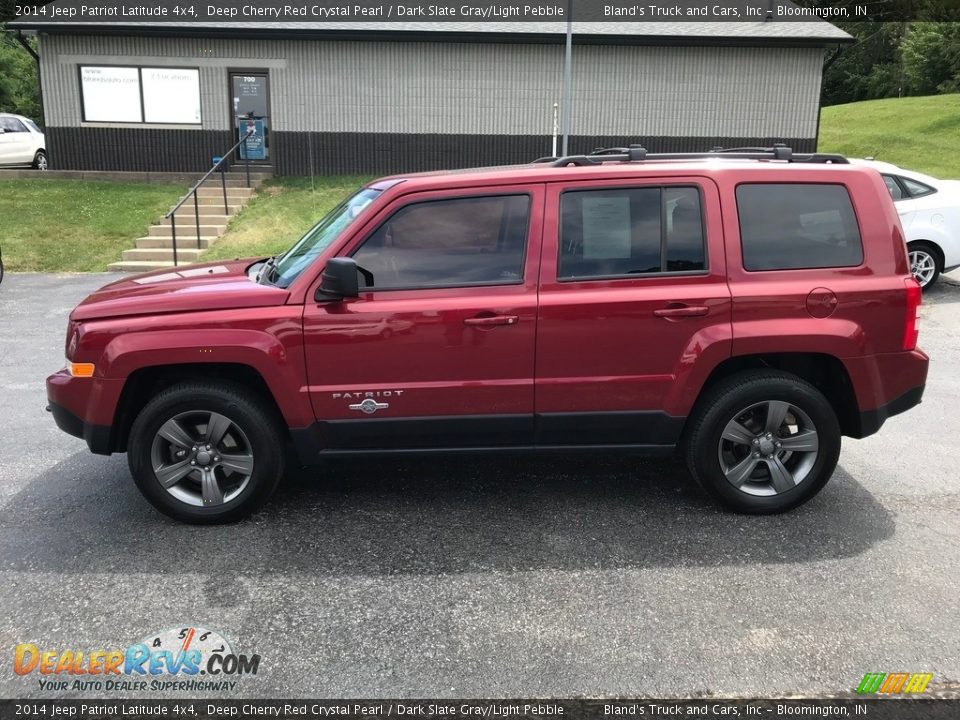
282, 210
916, 133
80, 226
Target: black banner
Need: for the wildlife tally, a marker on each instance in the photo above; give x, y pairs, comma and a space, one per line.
332, 12
774, 709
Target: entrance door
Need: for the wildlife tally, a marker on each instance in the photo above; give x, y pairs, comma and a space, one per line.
251, 109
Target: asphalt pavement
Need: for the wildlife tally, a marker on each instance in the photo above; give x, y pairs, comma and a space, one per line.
466, 577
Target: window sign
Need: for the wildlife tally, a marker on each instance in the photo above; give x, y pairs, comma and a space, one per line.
171, 95
135, 95
111, 94
606, 227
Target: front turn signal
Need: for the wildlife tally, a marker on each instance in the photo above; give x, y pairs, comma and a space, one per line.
80, 369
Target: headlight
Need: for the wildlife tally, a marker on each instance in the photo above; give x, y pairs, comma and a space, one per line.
73, 338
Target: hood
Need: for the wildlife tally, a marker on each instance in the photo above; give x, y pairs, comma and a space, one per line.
209, 286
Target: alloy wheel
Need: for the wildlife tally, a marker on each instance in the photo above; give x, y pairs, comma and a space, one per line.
768, 448
202, 458
923, 266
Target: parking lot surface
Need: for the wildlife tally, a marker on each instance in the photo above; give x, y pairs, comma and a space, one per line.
489, 577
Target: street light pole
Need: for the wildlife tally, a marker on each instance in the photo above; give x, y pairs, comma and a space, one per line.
567, 82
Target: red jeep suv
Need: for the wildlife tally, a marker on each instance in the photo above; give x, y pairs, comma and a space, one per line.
747, 308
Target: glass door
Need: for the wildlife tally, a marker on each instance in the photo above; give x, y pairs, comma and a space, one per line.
251, 113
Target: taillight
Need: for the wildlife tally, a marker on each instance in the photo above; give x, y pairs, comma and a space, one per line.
911, 329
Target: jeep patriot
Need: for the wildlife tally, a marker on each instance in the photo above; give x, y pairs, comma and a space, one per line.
744, 308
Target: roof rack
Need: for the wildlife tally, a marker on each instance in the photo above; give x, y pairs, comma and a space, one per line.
638, 153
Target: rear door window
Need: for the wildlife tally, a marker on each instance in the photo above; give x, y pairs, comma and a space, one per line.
788, 226
896, 192
625, 232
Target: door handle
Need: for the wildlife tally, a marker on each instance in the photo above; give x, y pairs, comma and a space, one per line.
680, 310
491, 320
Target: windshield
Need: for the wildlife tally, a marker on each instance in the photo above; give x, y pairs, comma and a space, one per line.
32, 124
295, 260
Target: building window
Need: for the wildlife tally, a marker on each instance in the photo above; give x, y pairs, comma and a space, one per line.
786, 226
160, 95
625, 232
449, 243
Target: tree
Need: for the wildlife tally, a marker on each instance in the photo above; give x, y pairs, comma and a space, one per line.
19, 79
867, 69
931, 58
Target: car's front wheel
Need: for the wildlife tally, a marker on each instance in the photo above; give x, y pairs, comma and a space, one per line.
206, 452
40, 160
925, 263
763, 441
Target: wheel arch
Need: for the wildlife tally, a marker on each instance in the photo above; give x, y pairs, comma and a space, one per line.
144, 383
934, 244
825, 372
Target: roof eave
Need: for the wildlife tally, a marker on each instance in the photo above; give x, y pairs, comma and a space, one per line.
226, 31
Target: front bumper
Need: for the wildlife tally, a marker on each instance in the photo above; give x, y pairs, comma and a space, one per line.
83, 407
97, 437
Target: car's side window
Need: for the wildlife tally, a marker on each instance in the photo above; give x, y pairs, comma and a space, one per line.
449, 243
896, 192
785, 226
12, 125
624, 232
915, 188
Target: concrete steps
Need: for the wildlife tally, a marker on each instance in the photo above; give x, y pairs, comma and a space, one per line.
188, 230
166, 242
184, 255
154, 251
140, 266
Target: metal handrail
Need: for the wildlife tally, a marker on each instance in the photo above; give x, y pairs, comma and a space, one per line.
219, 165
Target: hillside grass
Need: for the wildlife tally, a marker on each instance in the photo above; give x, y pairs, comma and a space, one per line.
76, 225
916, 133
281, 211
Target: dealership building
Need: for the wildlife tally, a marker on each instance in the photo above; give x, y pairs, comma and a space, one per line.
367, 97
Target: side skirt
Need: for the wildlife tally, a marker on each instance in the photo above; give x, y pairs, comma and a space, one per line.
640, 433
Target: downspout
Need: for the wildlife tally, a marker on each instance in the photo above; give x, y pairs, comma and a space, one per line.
26, 46
36, 58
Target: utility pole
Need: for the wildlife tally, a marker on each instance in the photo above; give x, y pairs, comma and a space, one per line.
567, 80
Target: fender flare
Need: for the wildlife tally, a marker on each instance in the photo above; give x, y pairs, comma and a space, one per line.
280, 369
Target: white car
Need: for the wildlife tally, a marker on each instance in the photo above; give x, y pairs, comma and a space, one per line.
21, 143
929, 211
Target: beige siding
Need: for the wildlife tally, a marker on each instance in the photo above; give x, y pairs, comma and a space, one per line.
475, 89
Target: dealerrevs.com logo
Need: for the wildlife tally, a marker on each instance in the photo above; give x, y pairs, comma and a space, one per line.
180, 659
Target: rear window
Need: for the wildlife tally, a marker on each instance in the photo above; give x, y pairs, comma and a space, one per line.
790, 226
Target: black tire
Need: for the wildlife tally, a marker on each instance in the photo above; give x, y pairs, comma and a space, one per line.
40, 160
754, 391
933, 252
251, 419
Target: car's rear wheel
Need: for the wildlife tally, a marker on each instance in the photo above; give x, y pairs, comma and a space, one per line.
763, 442
925, 263
40, 160
206, 452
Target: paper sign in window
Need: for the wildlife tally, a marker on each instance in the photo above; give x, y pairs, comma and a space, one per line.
111, 94
606, 227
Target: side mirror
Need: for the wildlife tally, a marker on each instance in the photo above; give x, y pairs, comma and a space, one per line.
2, 131
340, 279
